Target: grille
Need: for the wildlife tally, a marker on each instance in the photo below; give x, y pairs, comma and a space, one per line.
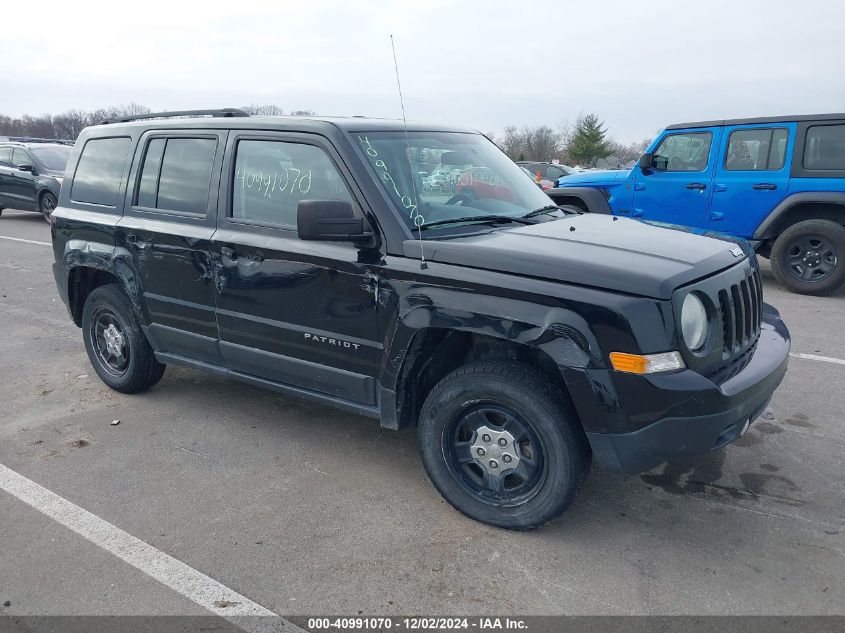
741, 308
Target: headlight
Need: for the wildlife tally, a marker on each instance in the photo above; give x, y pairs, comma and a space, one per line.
693, 322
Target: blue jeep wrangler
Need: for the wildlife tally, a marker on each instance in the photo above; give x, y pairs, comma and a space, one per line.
777, 182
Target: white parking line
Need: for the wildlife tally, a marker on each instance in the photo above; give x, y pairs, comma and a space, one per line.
182, 578
821, 359
20, 239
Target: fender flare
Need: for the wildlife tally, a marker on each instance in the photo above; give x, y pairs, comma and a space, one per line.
592, 198
106, 258
766, 228
560, 333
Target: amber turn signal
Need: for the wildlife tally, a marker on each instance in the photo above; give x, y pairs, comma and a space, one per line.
646, 364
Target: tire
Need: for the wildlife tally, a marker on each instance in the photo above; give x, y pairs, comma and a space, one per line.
135, 369
809, 257
46, 203
503, 395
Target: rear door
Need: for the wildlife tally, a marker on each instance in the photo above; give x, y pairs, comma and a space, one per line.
290, 311
752, 176
165, 233
677, 190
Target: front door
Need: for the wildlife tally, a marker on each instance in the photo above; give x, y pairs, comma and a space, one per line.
165, 236
752, 176
677, 189
22, 182
290, 311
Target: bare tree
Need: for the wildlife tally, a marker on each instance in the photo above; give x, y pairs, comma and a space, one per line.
69, 124
629, 152
541, 143
263, 110
511, 143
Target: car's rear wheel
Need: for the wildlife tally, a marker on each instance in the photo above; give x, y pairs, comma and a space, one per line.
808, 257
47, 203
502, 445
116, 345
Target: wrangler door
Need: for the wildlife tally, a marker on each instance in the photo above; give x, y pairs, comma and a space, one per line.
294, 312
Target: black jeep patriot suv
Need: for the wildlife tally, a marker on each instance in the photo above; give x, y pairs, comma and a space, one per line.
417, 277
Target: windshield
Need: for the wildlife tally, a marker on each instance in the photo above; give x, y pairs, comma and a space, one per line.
52, 158
436, 176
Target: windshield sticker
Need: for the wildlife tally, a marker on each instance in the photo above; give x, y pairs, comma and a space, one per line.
385, 175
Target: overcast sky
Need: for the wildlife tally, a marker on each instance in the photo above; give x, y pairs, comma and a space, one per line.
638, 64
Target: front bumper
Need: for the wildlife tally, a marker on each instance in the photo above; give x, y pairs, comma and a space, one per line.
682, 414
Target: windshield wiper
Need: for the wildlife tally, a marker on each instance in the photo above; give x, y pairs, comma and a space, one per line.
491, 219
543, 210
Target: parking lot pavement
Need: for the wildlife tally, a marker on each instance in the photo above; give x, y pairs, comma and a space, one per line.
307, 510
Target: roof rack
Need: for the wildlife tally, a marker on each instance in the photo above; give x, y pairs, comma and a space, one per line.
222, 112
31, 139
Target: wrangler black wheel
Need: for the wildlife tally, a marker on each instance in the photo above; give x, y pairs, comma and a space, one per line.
502, 445
116, 345
808, 257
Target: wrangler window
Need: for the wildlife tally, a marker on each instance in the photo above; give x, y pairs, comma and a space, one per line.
683, 152
825, 147
758, 149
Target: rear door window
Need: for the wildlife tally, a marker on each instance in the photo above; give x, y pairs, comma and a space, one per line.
271, 177
757, 149
176, 175
824, 148
5, 155
100, 171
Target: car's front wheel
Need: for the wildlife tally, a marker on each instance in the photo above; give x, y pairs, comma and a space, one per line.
808, 257
502, 445
116, 345
46, 204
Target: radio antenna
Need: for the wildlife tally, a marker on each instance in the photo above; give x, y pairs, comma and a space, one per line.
417, 217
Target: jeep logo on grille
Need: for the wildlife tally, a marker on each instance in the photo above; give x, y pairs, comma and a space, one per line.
316, 338
736, 251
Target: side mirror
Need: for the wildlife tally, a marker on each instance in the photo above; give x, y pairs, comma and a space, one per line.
25, 168
330, 221
646, 164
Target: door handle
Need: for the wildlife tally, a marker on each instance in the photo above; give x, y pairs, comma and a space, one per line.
228, 253
717, 216
764, 186
700, 186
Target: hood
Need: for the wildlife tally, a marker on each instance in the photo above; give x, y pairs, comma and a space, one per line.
594, 177
591, 250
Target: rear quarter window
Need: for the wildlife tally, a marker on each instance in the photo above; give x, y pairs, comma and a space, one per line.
824, 148
100, 171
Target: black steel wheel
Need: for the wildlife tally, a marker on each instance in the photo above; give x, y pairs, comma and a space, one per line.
115, 342
109, 341
494, 453
47, 203
502, 444
807, 257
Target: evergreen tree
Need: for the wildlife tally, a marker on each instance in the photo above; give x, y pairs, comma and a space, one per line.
589, 141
